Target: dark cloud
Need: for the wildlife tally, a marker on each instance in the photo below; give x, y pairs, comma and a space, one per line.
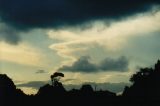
26, 14
23, 15
120, 64
40, 72
33, 84
83, 64
9, 34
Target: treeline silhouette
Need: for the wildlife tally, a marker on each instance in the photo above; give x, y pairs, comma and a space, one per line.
145, 91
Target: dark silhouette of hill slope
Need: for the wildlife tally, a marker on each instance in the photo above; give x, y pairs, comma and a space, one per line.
8, 92
145, 90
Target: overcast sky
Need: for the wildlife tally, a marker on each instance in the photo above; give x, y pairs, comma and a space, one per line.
88, 40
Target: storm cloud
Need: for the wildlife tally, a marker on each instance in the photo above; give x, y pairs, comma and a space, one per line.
83, 64
119, 64
9, 34
27, 14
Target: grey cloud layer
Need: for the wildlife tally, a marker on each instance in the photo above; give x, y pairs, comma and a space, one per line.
83, 64
9, 34
25, 14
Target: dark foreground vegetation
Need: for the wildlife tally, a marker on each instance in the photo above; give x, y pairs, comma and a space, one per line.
145, 91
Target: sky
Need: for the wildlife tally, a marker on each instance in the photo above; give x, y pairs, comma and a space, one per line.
91, 41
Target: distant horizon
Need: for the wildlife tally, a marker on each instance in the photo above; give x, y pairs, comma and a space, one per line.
113, 87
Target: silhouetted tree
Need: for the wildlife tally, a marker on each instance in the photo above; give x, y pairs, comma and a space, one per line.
86, 89
145, 83
141, 75
55, 78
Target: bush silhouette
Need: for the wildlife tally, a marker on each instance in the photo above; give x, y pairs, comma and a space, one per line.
142, 75
86, 89
145, 83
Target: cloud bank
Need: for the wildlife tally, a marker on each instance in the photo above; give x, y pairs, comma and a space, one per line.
22, 15
26, 14
9, 34
83, 64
